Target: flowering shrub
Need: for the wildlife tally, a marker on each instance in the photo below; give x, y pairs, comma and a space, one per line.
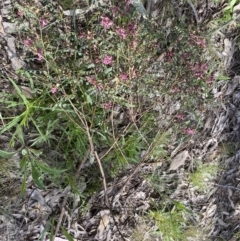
106, 22
96, 80
107, 60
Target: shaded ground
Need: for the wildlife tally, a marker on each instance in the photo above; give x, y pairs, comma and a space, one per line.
114, 216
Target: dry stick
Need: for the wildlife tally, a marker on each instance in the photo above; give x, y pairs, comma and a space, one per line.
99, 163
61, 215
194, 11
2, 119
103, 176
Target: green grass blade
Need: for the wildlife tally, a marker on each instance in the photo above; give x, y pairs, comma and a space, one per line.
49, 170
6, 154
26, 102
11, 124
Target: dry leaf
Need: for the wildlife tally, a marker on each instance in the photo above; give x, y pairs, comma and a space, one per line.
59, 239
220, 221
178, 160
26, 91
1, 26
233, 85
103, 223
228, 51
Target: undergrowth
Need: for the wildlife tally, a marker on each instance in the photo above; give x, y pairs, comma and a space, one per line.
204, 175
101, 88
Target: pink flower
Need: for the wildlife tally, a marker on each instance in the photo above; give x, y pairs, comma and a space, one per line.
107, 106
204, 67
210, 79
106, 22
27, 42
90, 36
189, 131
180, 117
169, 56
40, 55
91, 80
185, 55
176, 89
199, 69
128, 2
201, 43
198, 41
82, 35
99, 87
96, 61
107, 60
43, 22
121, 32
19, 13
133, 44
132, 28
115, 9
123, 77
127, 7
54, 90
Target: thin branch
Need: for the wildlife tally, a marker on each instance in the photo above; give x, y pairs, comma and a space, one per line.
92, 148
61, 215
194, 11
103, 177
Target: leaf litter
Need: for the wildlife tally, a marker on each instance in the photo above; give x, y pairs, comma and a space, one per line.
216, 212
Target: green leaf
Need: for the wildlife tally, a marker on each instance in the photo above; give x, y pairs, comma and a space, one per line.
35, 152
30, 79
6, 154
106, 71
67, 235
23, 162
23, 165
19, 133
37, 127
100, 134
36, 177
49, 170
90, 66
230, 5
89, 100
11, 124
26, 102
52, 225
